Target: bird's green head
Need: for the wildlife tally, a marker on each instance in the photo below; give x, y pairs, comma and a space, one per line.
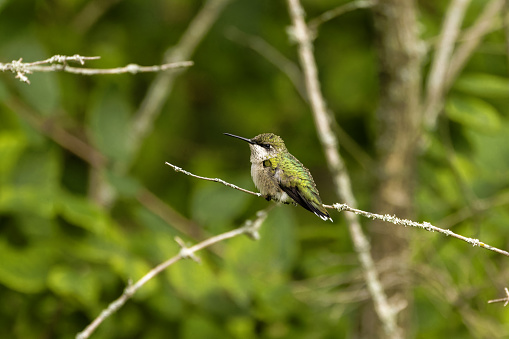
270, 142
264, 146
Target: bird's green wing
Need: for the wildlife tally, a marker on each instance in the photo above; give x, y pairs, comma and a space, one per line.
296, 181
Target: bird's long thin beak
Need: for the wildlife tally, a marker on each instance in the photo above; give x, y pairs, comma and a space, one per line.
241, 138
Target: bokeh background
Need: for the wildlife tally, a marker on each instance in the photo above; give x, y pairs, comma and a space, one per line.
87, 204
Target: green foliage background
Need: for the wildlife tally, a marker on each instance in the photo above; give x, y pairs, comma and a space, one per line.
64, 257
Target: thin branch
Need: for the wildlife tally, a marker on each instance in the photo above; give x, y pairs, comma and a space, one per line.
504, 300
58, 63
91, 13
482, 205
61, 59
315, 23
21, 68
270, 53
168, 214
436, 81
131, 68
473, 37
178, 169
374, 216
386, 313
424, 225
249, 228
448, 66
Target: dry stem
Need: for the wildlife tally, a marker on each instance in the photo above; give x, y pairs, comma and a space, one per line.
58, 63
249, 228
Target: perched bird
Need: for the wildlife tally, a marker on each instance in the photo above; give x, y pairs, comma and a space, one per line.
279, 176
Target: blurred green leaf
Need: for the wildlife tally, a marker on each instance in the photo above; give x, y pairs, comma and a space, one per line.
95, 249
68, 282
197, 326
166, 302
4, 93
11, 146
192, 280
43, 93
215, 205
156, 225
473, 113
33, 187
242, 327
126, 186
484, 85
257, 264
25, 269
492, 160
109, 124
465, 167
81, 212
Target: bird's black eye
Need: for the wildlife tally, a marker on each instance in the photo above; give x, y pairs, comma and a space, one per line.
266, 146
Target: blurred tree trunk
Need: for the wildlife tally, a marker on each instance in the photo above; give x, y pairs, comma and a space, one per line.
398, 127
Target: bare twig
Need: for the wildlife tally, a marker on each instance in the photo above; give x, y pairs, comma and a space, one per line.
21, 69
58, 63
60, 59
90, 13
169, 214
436, 81
374, 216
131, 68
385, 312
482, 205
504, 300
270, 53
472, 38
249, 228
424, 225
447, 65
178, 169
313, 24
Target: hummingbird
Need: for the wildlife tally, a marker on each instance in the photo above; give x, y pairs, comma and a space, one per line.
279, 176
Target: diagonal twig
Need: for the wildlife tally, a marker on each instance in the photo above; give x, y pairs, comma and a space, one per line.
314, 23
250, 228
504, 300
374, 216
436, 80
472, 38
178, 169
270, 53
